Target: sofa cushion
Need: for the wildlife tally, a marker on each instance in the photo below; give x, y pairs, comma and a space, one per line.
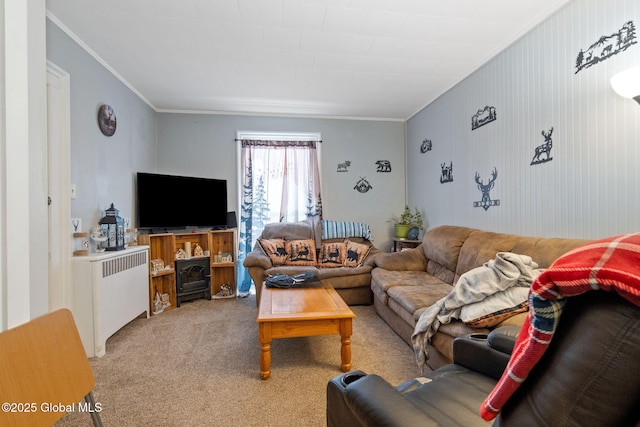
405, 260
382, 280
288, 230
332, 255
545, 251
356, 253
291, 270
410, 298
450, 395
301, 252
481, 247
442, 247
275, 250
346, 277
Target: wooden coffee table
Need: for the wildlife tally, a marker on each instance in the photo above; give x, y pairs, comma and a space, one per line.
313, 309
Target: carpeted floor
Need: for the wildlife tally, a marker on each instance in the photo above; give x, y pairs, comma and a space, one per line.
198, 365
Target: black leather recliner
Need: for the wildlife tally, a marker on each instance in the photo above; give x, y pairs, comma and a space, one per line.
589, 376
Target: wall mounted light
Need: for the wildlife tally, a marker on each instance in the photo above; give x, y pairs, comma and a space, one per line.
627, 83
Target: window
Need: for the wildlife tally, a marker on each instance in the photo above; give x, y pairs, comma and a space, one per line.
279, 182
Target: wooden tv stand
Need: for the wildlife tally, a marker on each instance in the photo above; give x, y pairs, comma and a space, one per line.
164, 247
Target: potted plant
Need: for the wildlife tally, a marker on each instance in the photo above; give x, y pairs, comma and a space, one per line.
406, 220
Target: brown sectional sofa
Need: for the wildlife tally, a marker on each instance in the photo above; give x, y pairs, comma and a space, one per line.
405, 283
353, 284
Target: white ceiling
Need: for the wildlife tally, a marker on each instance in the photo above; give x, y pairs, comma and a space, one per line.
383, 59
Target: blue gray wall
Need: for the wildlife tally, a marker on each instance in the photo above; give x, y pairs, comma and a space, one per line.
590, 189
103, 168
203, 145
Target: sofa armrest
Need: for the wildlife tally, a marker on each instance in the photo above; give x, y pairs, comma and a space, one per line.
407, 260
372, 401
370, 260
487, 355
257, 258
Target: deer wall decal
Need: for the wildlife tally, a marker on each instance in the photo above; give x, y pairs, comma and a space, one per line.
486, 201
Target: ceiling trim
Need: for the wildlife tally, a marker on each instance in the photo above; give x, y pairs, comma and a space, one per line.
302, 116
97, 57
257, 111
102, 62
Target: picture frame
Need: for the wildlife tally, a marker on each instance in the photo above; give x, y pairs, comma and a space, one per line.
414, 233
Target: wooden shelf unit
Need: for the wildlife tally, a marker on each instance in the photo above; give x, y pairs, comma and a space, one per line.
161, 246
223, 241
201, 239
164, 246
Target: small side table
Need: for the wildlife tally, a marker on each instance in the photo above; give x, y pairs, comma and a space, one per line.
400, 244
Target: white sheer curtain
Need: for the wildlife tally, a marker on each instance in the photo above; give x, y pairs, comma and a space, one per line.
280, 182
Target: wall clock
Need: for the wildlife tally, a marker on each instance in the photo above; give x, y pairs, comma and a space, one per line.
107, 120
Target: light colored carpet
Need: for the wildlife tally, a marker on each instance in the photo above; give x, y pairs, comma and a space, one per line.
198, 365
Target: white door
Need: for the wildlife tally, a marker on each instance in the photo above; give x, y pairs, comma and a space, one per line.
59, 175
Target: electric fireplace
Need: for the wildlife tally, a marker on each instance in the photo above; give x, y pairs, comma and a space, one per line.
192, 279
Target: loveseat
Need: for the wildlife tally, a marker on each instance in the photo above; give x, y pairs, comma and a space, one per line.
339, 251
407, 283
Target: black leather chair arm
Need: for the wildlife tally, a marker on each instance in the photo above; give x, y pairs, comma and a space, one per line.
503, 338
375, 402
488, 355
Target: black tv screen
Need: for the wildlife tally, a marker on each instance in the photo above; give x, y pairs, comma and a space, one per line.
176, 202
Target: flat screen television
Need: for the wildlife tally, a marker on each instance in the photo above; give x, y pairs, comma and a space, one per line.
167, 202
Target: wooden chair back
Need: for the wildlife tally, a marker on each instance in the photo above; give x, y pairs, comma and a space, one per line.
43, 371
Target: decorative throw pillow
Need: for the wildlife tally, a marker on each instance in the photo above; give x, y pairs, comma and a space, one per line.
275, 250
356, 253
496, 308
332, 254
492, 319
301, 252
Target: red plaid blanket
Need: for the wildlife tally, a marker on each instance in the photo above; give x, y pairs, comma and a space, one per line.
611, 264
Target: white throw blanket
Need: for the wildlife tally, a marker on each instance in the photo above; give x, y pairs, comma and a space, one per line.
503, 272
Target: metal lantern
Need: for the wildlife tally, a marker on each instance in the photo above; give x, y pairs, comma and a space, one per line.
113, 229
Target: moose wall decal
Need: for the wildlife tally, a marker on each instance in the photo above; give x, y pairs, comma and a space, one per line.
344, 167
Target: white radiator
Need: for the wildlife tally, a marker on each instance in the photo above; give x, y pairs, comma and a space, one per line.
110, 290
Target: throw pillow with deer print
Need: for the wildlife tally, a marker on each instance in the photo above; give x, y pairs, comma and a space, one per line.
301, 252
332, 255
